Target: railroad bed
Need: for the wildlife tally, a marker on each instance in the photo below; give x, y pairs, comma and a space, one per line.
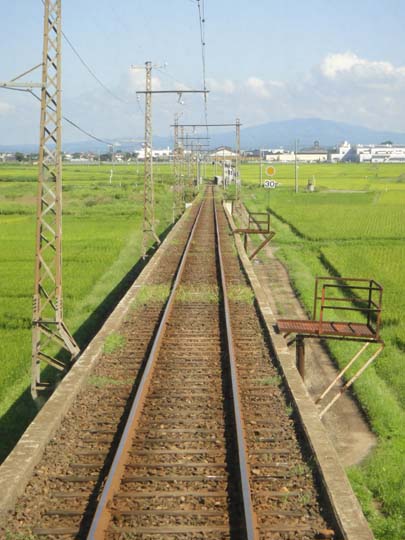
213, 452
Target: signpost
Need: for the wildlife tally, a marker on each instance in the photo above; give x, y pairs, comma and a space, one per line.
269, 184
270, 170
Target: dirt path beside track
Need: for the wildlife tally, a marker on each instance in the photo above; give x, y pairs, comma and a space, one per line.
346, 425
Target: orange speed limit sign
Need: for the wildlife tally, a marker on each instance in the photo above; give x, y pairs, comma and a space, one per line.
270, 171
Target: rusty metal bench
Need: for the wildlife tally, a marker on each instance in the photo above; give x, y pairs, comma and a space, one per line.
354, 295
259, 223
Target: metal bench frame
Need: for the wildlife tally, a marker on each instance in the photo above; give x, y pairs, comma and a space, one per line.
360, 295
259, 223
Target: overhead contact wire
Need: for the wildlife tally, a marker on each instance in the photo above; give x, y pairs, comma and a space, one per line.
91, 71
85, 132
201, 16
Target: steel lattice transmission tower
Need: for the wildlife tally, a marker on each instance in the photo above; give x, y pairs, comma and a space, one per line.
50, 333
148, 189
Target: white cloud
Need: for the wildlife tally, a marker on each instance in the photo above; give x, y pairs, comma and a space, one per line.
334, 64
349, 64
137, 80
258, 87
6, 108
156, 83
226, 86
343, 87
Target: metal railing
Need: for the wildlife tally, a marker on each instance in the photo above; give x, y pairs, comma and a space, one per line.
363, 296
256, 218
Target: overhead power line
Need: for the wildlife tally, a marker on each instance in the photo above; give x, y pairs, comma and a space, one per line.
164, 72
85, 132
91, 71
65, 118
201, 16
88, 68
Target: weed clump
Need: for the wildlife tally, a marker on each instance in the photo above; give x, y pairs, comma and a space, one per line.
114, 342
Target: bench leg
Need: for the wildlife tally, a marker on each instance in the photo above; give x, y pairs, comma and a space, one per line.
300, 355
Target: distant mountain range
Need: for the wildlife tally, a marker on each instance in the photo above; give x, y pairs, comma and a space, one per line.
270, 135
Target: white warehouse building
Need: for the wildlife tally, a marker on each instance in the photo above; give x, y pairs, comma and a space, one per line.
342, 153
380, 153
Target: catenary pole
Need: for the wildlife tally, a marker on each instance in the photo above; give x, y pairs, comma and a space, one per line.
50, 333
149, 195
296, 167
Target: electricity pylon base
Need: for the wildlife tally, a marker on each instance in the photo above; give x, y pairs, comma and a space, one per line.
44, 334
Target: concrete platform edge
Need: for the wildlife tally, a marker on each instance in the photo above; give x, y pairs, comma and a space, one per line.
16, 470
344, 504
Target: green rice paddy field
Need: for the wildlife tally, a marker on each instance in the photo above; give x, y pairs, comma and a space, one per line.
101, 252
354, 224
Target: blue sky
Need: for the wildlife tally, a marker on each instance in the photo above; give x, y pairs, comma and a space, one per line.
266, 61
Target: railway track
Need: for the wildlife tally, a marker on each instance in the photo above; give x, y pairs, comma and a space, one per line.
207, 446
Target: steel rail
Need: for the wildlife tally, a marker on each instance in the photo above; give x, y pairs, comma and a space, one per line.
102, 514
250, 519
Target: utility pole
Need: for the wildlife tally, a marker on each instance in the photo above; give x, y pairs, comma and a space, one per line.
148, 186
237, 125
198, 167
223, 168
182, 162
237, 161
178, 201
112, 160
50, 334
296, 167
149, 196
193, 155
188, 157
261, 168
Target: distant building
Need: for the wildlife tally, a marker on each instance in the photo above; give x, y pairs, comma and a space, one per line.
166, 153
251, 154
7, 157
380, 153
313, 154
81, 158
223, 153
271, 154
343, 152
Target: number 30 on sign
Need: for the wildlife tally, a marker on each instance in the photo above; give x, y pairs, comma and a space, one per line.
270, 184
